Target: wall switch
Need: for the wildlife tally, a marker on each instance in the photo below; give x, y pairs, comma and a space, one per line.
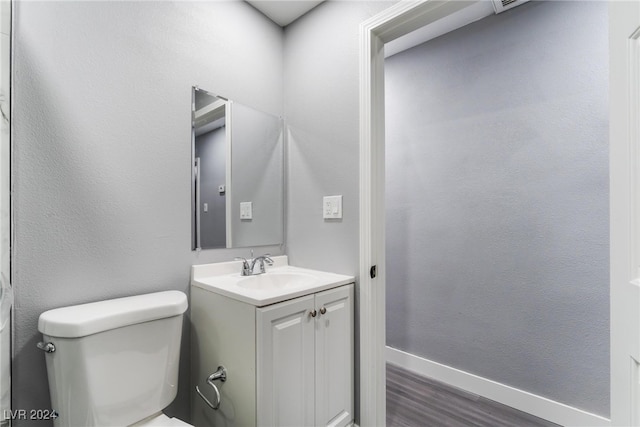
205, 207
332, 207
246, 210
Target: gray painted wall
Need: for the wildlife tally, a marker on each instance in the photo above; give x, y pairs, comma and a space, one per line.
321, 104
322, 116
101, 160
102, 149
211, 148
498, 199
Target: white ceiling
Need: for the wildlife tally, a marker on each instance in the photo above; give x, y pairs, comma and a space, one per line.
284, 12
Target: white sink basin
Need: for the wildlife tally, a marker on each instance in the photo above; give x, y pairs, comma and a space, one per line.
277, 280
279, 283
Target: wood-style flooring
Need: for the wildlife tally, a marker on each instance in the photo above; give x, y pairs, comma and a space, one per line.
417, 401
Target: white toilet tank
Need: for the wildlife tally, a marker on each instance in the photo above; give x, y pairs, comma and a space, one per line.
115, 362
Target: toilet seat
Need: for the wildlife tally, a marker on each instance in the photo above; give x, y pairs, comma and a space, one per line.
161, 420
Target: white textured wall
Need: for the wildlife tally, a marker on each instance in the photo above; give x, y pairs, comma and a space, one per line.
102, 150
498, 201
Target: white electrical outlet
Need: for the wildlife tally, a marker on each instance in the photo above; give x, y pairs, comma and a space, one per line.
332, 207
246, 210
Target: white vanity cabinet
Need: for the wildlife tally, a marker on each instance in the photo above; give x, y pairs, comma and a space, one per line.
288, 364
305, 360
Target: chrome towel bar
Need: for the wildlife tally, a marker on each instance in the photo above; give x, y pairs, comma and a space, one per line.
220, 374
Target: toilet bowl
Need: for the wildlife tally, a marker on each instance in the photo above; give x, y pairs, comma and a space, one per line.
114, 362
160, 420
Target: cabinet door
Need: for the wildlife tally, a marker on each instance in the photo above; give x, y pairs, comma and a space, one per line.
285, 359
334, 357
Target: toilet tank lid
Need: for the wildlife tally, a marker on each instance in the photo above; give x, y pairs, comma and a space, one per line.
87, 319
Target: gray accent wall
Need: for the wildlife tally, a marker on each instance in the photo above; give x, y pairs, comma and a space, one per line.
102, 152
498, 201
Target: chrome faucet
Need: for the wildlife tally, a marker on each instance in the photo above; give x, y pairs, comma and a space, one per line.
247, 268
262, 259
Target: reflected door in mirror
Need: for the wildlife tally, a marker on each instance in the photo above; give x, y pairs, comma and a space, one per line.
238, 174
210, 148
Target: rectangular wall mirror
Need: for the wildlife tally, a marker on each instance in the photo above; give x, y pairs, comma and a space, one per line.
237, 174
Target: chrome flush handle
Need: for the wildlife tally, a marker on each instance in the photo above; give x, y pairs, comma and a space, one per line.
47, 347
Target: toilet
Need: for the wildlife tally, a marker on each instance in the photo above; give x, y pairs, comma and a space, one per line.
114, 362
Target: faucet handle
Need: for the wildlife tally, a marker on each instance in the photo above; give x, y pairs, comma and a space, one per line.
267, 259
246, 269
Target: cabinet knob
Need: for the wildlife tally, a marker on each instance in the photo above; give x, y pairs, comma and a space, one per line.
313, 313
323, 310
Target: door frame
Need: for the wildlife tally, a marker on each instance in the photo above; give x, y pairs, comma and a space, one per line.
624, 143
392, 23
404, 17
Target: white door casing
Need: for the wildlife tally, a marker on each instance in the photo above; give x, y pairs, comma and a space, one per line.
390, 24
624, 89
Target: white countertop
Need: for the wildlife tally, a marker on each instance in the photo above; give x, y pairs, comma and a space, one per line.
224, 278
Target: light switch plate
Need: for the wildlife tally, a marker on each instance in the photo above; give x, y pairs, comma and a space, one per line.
246, 210
332, 207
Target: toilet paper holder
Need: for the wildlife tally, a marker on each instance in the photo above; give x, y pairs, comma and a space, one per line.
220, 374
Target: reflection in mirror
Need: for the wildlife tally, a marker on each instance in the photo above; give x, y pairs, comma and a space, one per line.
238, 174
211, 145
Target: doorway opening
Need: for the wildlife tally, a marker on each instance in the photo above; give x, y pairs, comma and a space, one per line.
484, 218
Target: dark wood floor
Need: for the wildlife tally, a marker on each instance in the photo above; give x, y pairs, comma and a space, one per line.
417, 401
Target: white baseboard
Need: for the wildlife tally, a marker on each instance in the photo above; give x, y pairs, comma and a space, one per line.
527, 402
